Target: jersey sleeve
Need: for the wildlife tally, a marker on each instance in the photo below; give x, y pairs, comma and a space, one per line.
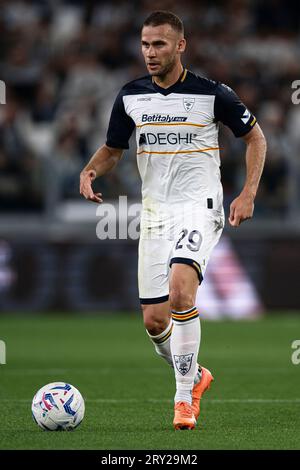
120, 126
230, 110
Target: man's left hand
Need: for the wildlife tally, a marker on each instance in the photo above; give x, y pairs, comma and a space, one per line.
241, 209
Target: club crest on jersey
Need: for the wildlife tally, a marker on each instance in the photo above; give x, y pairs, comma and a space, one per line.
246, 116
188, 103
183, 363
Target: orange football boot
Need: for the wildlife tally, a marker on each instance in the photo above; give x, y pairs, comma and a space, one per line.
184, 417
199, 389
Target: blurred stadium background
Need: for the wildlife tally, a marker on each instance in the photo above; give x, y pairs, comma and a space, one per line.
63, 63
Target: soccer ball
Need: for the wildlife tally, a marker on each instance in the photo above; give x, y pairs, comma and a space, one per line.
58, 406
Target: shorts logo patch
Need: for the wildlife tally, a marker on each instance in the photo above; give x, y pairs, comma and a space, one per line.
183, 363
219, 224
188, 103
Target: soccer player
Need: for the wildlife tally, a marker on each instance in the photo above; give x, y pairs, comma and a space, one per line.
176, 115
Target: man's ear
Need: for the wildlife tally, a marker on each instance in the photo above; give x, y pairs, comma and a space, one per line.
181, 45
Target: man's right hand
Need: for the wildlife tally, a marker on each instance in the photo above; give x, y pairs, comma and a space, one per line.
86, 179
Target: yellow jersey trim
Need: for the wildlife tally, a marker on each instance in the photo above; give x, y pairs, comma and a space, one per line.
179, 151
171, 124
184, 75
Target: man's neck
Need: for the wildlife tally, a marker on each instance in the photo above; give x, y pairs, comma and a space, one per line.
170, 78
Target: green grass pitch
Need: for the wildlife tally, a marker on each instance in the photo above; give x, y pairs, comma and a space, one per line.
254, 402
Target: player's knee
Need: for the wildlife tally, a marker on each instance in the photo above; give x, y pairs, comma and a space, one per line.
181, 299
154, 325
154, 322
